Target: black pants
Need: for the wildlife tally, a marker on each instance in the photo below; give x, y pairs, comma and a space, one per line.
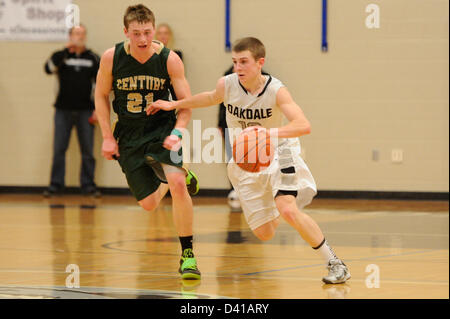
64, 122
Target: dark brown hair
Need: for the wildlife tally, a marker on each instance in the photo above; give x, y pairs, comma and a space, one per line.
139, 13
255, 46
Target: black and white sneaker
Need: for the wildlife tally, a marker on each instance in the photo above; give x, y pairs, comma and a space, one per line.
337, 272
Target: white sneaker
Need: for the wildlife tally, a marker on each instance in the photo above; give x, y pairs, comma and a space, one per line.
337, 272
234, 202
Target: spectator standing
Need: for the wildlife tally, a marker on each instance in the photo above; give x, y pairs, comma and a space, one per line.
76, 68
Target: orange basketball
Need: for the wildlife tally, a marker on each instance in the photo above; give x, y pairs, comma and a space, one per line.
253, 151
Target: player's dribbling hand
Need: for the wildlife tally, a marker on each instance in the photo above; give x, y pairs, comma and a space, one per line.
160, 105
172, 143
253, 129
110, 149
273, 132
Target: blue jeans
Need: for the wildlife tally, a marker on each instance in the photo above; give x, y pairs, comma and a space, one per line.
64, 122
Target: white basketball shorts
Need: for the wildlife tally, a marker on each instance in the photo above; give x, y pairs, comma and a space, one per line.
257, 191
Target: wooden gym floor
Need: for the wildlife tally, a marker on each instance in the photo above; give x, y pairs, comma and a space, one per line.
125, 252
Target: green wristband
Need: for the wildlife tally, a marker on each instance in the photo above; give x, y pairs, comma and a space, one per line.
177, 133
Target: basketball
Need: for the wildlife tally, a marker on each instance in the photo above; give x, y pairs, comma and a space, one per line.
253, 151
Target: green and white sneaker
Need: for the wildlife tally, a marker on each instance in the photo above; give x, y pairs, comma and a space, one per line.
188, 266
192, 183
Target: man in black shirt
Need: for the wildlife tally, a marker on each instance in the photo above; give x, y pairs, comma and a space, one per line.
76, 68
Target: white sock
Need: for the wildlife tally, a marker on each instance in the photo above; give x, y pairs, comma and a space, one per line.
325, 251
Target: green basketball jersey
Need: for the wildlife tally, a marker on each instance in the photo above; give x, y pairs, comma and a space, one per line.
136, 85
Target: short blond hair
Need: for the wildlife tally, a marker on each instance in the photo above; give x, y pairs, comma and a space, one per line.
139, 13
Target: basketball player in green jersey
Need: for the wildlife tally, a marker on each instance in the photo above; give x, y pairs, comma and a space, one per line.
140, 71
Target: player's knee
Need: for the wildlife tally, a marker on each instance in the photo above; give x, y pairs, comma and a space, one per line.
289, 214
264, 234
149, 203
177, 186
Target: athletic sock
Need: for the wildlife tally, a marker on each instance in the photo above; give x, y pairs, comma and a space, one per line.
325, 251
186, 243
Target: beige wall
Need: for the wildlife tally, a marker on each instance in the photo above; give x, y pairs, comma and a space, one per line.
376, 89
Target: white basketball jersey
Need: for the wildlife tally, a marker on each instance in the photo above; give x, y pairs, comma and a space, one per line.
257, 190
244, 109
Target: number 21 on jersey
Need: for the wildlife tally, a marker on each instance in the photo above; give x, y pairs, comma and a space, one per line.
134, 104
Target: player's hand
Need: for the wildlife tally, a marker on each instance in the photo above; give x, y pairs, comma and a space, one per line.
110, 149
160, 105
254, 129
172, 143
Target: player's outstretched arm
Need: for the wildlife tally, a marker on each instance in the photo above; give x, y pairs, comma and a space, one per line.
175, 68
102, 106
199, 100
298, 123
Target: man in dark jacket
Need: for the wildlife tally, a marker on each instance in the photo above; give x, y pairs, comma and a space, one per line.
76, 68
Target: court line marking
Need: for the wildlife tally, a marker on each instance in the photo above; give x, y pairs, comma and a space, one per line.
200, 208
249, 275
347, 260
146, 252
246, 230
96, 289
370, 233
163, 275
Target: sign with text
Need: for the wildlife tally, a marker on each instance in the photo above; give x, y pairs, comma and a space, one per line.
36, 20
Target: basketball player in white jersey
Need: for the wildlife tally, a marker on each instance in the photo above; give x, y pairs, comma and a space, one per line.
256, 101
